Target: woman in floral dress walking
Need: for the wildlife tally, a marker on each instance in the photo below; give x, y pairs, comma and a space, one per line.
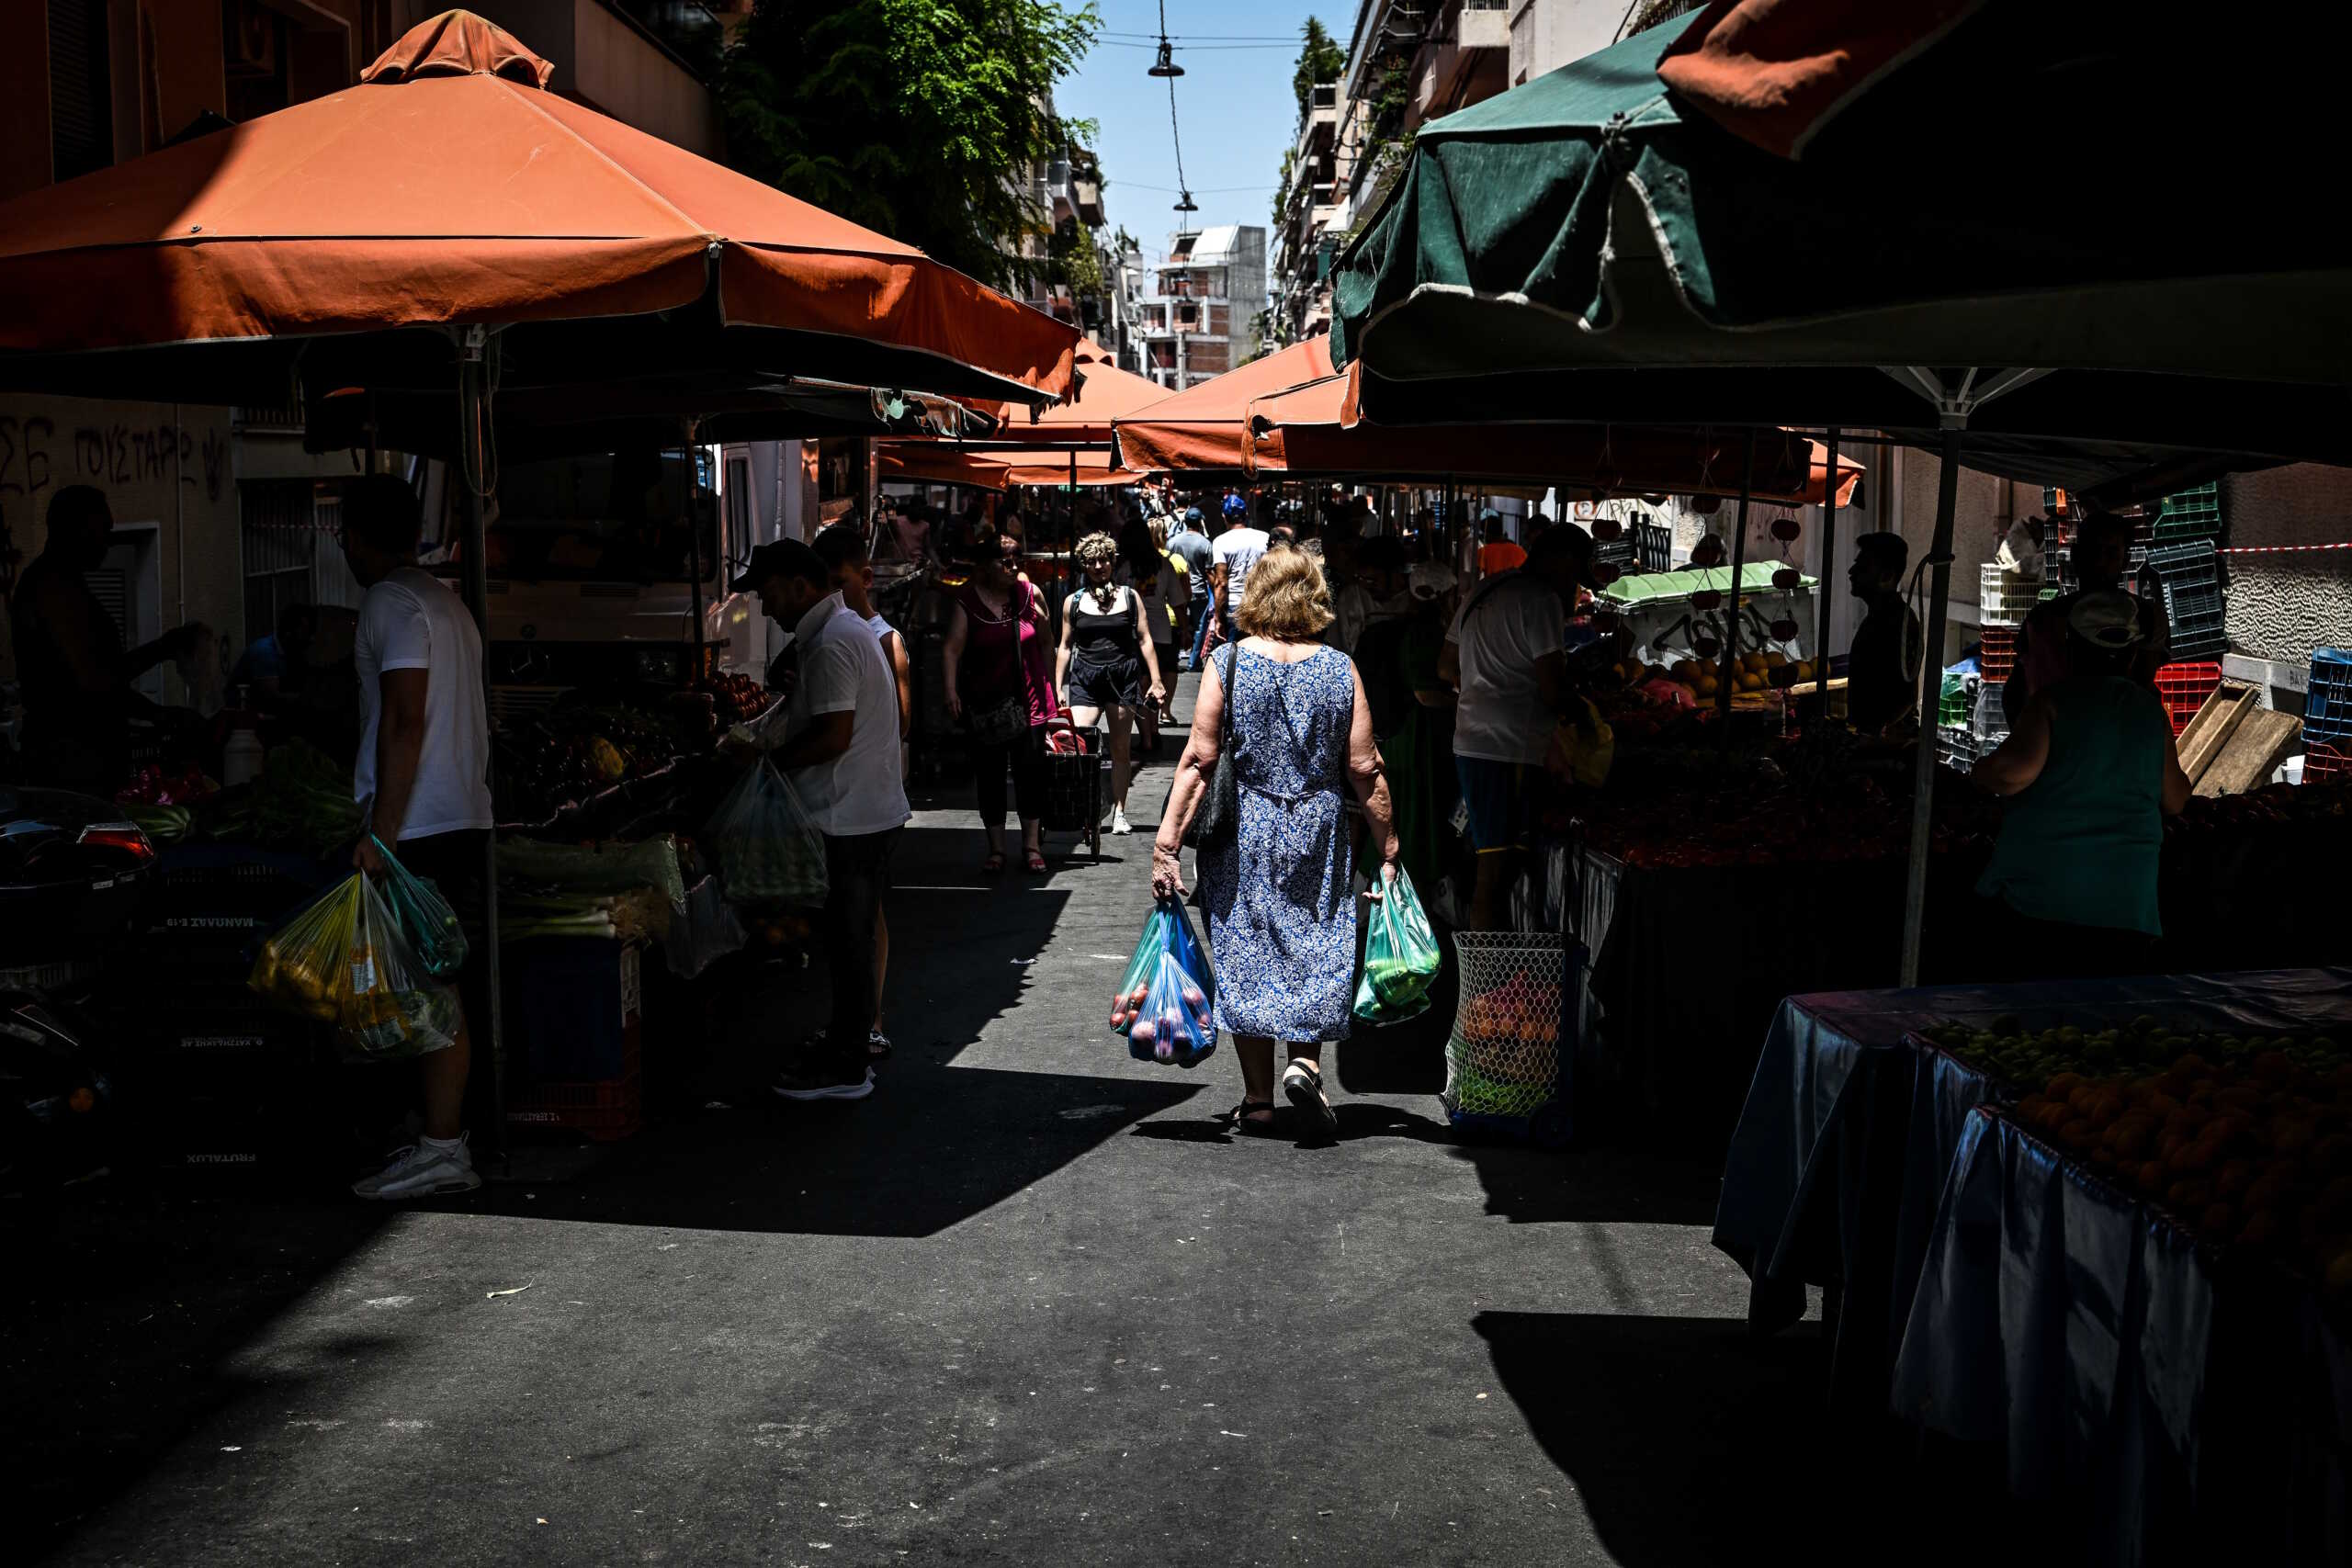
1280, 892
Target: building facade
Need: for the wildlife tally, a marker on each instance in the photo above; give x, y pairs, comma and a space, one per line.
1202, 319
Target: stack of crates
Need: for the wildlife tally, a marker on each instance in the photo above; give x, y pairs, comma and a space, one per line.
1955, 748
2184, 688
1653, 545
221, 1080
2185, 580
1953, 702
1997, 654
2190, 514
2007, 597
2328, 716
1989, 723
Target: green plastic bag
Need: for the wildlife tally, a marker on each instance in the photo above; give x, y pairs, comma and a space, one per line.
425, 918
1401, 957
343, 961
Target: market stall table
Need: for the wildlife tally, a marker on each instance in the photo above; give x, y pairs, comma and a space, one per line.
2199, 1400
1850, 1128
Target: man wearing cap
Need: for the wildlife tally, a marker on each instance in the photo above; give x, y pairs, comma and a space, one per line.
1882, 668
2102, 548
836, 740
2089, 771
1507, 655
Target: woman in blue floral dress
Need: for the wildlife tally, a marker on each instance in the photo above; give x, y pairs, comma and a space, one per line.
1280, 892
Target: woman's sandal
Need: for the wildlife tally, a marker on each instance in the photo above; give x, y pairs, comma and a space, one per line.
992, 864
1238, 1118
1036, 861
1303, 1081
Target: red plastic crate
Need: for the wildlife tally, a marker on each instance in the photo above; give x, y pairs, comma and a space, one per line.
2184, 688
604, 1110
1997, 654
2326, 763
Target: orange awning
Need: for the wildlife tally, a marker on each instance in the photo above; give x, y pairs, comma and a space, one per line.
1207, 426
1289, 414
1104, 393
942, 462
1304, 431
450, 187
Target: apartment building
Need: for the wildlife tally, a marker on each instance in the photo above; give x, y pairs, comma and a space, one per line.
1202, 320
1308, 222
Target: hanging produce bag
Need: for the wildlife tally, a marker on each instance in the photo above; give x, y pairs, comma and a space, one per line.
1401, 957
343, 961
1165, 1003
426, 919
763, 846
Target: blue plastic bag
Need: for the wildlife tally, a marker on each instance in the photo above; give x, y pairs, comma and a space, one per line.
1166, 1005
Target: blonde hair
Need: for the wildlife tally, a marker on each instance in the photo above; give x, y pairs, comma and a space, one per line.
1158, 527
1285, 598
1096, 546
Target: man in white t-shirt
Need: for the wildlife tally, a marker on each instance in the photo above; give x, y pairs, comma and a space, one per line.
836, 740
1507, 655
422, 781
851, 570
1231, 554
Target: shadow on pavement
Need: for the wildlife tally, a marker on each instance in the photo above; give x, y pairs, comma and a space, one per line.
1691, 1442
933, 1146
121, 1334
1594, 1182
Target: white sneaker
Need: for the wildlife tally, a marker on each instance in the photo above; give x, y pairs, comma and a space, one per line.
1119, 822
421, 1171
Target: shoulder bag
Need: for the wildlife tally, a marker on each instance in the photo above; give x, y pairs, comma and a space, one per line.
1219, 818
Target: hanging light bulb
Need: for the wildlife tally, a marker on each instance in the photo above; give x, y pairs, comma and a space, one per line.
1166, 64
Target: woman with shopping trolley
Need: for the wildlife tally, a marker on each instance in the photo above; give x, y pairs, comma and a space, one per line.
1106, 667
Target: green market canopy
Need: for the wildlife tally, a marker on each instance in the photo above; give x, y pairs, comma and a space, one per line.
2023, 195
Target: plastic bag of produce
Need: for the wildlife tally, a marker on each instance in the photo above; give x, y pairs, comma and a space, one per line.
426, 919
341, 961
1165, 1005
762, 844
1401, 957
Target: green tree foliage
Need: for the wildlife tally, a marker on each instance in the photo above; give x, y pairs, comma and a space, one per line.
1319, 60
919, 117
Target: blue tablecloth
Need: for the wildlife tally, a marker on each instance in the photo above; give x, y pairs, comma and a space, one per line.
1842, 1152
2185, 1397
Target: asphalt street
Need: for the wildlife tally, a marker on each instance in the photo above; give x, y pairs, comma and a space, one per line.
1026, 1304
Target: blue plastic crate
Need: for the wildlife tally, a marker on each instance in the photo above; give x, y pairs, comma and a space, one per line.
2327, 705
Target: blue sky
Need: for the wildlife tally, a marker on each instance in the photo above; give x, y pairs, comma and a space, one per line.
1234, 106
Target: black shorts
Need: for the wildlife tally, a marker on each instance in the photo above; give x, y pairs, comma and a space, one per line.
1117, 685
456, 866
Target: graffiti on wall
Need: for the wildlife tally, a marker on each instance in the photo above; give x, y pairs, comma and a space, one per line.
39, 457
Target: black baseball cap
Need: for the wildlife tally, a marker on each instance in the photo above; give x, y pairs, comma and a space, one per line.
778, 557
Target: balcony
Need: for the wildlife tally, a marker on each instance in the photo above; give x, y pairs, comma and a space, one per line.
1483, 24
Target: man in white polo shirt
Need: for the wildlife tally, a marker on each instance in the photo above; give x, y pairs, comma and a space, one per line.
836, 740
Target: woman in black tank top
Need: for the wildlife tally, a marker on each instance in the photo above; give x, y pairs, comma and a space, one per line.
1106, 658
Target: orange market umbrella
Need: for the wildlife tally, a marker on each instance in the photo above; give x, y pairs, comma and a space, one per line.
1306, 429
451, 189
1206, 427
942, 462
1104, 393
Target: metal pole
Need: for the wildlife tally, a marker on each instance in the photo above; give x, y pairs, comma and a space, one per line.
1923, 798
693, 558
474, 475
1739, 564
1828, 579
